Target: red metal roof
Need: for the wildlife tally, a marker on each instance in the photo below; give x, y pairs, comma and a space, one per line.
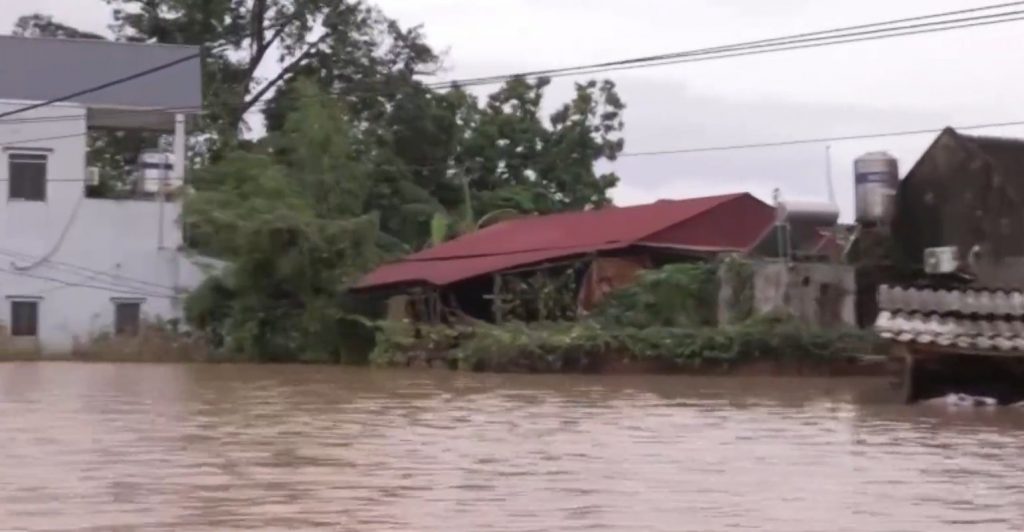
714, 223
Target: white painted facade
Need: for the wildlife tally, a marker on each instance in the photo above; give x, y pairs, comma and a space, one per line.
77, 256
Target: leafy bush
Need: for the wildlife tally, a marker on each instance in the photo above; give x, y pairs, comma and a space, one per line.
679, 295
737, 278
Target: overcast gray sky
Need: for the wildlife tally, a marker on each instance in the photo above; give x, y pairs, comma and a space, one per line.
959, 77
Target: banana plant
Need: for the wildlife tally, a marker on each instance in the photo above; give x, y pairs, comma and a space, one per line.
443, 225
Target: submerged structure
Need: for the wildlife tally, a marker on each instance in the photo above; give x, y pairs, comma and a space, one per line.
953, 306
560, 266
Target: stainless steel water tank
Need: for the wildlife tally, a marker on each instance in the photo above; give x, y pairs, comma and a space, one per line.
876, 177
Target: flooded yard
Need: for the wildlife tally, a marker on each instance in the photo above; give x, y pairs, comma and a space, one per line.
191, 447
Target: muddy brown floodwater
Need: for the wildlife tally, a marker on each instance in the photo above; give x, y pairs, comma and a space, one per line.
175, 447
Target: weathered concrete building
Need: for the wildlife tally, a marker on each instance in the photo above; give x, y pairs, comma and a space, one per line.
74, 266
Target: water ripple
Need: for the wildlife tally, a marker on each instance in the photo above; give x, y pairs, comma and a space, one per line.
166, 447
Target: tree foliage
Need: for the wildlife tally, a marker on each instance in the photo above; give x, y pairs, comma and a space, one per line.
40, 25
677, 295
361, 158
290, 221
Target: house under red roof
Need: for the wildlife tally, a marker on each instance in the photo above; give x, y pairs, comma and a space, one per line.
706, 225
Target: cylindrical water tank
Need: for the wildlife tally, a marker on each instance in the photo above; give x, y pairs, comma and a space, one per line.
877, 176
155, 167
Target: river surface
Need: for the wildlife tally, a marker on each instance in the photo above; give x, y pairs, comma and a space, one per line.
178, 447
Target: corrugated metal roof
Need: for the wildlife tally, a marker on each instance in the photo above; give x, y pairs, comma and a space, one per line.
968, 318
524, 241
966, 333
964, 302
443, 272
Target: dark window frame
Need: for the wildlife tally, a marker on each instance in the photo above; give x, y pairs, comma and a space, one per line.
30, 187
133, 325
19, 327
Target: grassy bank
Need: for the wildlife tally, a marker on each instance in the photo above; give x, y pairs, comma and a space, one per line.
592, 346
665, 322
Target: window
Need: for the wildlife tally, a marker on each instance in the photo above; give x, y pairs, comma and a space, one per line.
24, 318
26, 176
127, 316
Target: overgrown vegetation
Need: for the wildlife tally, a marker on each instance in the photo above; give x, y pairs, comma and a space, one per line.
664, 322
361, 160
677, 295
737, 277
548, 295
594, 346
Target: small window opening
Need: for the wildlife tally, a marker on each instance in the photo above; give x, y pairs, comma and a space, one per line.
127, 317
24, 318
26, 176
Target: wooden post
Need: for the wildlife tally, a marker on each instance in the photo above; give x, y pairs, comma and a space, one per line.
909, 384
497, 300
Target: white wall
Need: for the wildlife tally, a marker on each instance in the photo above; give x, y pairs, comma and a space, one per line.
78, 254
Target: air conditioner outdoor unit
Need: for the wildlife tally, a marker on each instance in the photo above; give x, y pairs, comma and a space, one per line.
92, 176
941, 260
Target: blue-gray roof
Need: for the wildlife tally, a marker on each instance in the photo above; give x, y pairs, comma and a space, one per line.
38, 69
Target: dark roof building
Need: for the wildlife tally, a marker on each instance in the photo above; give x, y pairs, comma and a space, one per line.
696, 227
964, 190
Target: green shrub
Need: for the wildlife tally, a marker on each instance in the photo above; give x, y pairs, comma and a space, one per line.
680, 295
588, 345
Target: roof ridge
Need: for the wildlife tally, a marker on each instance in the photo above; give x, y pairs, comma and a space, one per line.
567, 214
87, 40
724, 198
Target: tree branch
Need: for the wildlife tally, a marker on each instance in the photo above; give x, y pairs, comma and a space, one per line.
264, 47
259, 12
287, 69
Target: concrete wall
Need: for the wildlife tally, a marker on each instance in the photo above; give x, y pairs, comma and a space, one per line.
76, 255
818, 294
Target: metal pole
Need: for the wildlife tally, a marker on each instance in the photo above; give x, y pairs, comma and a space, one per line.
181, 167
160, 201
179, 148
828, 175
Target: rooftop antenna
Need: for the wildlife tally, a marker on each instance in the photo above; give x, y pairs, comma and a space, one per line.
781, 226
828, 175
828, 184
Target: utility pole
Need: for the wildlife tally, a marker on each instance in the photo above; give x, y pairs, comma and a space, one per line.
160, 200
828, 175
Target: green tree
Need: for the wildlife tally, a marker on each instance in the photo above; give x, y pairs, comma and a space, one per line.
40, 25
361, 161
343, 37
514, 160
290, 222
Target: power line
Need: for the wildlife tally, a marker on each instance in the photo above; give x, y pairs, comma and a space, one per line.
52, 118
688, 150
707, 54
83, 117
96, 273
738, 52
14, 143
777, 44
794, 142
729, 47
85, 285
101, 86
625, 64
780, 44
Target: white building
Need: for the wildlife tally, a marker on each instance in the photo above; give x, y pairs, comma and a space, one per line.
72, 266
